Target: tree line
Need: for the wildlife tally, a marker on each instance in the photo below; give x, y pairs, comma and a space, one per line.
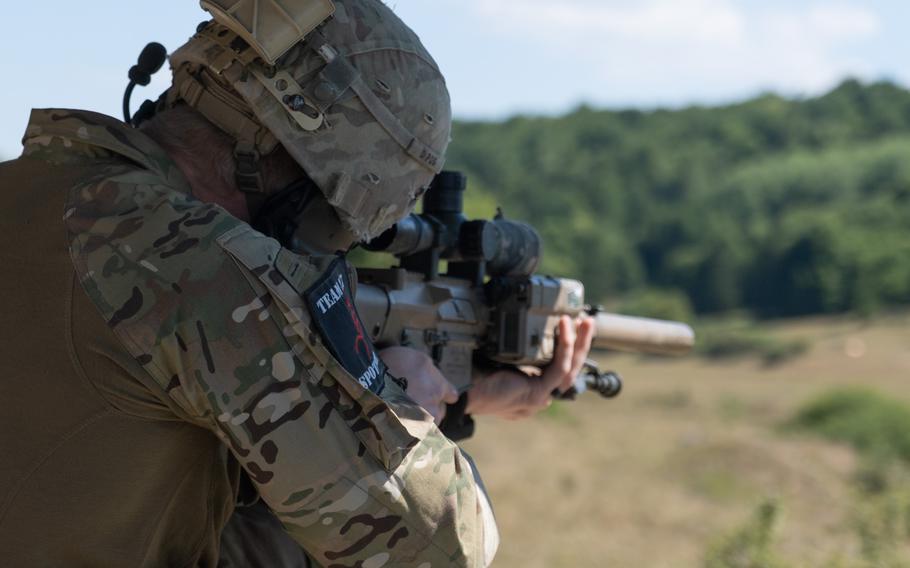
781, 207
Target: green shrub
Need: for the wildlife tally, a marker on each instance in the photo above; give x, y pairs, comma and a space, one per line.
743, 339
880, 525
876, 425
752, 545
776, 350
729, 345
668, 304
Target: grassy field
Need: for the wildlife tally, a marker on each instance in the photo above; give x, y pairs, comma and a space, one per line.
694, 461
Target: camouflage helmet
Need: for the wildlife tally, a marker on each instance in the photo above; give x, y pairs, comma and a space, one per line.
346, 87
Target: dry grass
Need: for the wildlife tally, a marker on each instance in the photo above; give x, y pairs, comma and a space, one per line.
686, 454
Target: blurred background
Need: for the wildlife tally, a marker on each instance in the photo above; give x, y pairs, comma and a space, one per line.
738, 164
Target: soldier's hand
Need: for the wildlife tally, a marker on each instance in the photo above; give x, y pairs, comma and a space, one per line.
514, 395
426, 385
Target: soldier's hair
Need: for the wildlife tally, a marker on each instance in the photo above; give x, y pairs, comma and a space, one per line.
183, 131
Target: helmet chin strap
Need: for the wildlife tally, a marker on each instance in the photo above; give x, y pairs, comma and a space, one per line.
300, 219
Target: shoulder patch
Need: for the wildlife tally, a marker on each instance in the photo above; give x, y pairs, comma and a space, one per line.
331, 305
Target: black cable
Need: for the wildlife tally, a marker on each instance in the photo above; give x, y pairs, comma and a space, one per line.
126, 101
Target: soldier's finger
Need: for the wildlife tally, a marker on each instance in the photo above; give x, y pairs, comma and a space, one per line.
554, 373
583, 338
560, 368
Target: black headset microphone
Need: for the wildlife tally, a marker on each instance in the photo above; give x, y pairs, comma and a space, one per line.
150, 61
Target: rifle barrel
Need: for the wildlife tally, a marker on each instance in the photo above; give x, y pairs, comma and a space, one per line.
643, 335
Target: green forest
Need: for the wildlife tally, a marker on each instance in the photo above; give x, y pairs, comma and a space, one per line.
777, 207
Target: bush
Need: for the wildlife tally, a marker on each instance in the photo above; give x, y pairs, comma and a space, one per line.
881, 527
875, 425
878, 427
737, 340
776, 351
751, 546
670, 304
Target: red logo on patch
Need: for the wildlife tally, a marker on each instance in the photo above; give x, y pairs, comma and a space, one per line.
360, 339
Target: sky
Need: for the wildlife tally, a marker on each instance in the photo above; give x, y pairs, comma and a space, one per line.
500, 57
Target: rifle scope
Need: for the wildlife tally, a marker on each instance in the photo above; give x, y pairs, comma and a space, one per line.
441, 232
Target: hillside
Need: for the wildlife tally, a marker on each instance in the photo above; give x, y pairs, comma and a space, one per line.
781, 207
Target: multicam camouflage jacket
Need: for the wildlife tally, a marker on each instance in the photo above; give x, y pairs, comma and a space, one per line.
213, 312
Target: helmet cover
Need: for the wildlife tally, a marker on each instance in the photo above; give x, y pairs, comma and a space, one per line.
359, 103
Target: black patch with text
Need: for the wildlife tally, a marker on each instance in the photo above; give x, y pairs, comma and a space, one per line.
335, 317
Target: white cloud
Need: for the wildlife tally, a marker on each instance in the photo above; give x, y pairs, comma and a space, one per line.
695, 46
842, 21
655, 20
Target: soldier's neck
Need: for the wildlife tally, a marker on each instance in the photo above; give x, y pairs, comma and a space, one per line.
209, 188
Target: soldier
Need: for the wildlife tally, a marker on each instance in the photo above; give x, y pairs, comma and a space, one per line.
221, 355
